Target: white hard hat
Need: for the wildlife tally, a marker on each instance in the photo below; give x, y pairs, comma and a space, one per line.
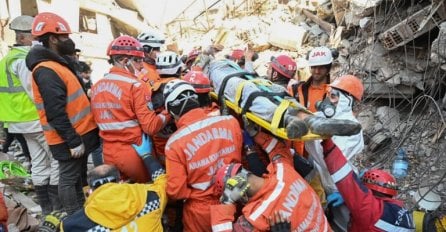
151, 38
320, 56
22, 23
173, 89
168, 63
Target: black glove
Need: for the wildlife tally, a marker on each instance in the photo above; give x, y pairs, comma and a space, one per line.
278, 223
52, 222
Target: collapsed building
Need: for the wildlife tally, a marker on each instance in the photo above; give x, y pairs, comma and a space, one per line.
397, 48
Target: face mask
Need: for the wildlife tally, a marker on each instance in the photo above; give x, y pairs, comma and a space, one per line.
35, 42
326, 107
66, 47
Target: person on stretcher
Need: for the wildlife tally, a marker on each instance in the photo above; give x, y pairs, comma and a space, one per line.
297, 119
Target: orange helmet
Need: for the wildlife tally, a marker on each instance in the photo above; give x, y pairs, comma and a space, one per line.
47, 22
380, 181
223, 174
350, 84
199, 81
284, 65
125, 45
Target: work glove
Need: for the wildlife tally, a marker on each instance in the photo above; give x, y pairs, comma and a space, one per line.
279, 223
335, 199
247, 139
145, 149
78, 151
52, 222
251, 128
235, 190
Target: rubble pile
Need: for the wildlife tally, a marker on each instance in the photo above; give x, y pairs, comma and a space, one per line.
398, 50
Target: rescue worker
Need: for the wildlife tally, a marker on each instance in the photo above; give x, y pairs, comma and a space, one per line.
202, 86
195, 151
63, 106
168, 66
297, 120
135, 207
19, 111
343, 94
122, 109
151, 41
370, 200
282, 189
313, 90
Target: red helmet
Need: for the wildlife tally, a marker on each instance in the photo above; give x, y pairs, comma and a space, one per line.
284, 65
380, 181
223, 174
47, 22
199, 81
192, 56
125, 45
237, 54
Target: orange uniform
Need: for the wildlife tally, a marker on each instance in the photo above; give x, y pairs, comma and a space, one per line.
307, 95
119, 103
200, 146
149, 75
3, 212
284, 190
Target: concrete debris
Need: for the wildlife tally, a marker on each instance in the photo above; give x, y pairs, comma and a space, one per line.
292, 40
389, 117
438, 48
413, 26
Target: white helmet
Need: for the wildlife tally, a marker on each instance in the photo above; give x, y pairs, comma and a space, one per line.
173, 89
168, 63
320, 56
152, 38
22, 23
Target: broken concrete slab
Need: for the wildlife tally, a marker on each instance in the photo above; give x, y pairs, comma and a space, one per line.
389, 117
292, 40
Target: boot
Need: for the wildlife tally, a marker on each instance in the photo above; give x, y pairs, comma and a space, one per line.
53, 193
330, 126
43, 198
295, 128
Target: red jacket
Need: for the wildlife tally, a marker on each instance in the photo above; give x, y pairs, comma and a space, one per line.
3, 211
284, 190
368, 212
196, 150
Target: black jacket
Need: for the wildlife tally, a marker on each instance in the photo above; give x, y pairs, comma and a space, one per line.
54, 94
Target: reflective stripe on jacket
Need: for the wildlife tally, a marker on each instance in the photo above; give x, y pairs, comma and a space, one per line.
77, 104
16, 105
197, 149
119, 104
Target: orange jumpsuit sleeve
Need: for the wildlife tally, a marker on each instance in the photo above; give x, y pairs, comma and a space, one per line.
273, 147
222, 217
176, 177
150, 122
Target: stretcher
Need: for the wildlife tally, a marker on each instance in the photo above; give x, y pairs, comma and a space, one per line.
274, 125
